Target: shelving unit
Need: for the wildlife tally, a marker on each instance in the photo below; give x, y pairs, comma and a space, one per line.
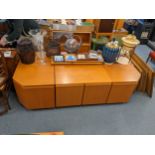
109, 27
84, 35
84, 31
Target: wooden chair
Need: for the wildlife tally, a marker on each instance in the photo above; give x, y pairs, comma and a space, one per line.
4, 85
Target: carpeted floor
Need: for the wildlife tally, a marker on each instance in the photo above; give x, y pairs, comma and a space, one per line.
135, 117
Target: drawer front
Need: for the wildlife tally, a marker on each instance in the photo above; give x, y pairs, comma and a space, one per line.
96, 94
69, 95
36, 97
121, 93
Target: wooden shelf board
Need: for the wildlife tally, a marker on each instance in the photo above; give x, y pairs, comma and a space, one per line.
70, 31
77, 63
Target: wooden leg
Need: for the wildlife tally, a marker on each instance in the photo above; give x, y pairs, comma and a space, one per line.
4, 103
7, 106
6, 100
4, 106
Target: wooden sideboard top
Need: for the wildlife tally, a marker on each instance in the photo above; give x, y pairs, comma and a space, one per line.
122, 73
35, 74
81, 74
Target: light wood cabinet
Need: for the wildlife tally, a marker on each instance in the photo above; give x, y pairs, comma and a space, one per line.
35, 97
124, 82
106, 27
81, 85
34, 84
49, 86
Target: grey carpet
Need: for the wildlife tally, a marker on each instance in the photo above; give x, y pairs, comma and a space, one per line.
135, 117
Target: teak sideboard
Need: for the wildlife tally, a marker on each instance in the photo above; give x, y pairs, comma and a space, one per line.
50, 86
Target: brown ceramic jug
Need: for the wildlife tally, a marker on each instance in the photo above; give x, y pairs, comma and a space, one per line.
26, 51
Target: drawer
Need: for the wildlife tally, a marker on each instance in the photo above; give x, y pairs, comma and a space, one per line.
120, 93
96, 94
69, 95
37, 97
